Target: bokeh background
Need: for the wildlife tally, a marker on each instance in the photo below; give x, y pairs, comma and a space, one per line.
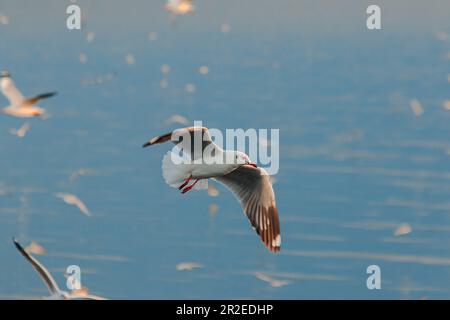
364, 147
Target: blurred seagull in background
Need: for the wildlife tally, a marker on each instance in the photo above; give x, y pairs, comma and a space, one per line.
75, 201
55, 292
22, 131
20, 106
276, 283
179, 7
250, 184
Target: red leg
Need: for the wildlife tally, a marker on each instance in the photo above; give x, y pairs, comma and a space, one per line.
190, 187
185, 182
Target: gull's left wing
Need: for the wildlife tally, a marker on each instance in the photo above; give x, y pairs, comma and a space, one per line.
29, 102
254, 190
43, 272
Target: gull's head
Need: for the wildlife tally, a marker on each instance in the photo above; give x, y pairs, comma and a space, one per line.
5, 74
243, 159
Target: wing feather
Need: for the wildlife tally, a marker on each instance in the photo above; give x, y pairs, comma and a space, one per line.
188, 139
43, 272
254, 190
32, 101
10, 91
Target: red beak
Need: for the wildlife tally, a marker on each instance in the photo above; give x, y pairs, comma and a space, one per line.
252, 164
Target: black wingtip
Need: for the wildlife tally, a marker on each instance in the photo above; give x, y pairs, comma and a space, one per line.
145, 145
17, 244
47, 95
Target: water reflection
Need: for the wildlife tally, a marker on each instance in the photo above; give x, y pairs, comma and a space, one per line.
364, 150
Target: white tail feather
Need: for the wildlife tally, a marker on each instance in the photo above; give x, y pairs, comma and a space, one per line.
176, 174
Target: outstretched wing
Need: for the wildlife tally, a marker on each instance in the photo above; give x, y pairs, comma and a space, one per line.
32, 101
43, 272
10, 91
254, 190
192, 140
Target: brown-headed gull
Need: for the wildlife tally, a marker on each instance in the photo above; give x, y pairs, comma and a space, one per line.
55, 292
250, 184
20, 106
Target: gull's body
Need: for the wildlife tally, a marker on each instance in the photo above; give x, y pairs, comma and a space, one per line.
20, 106
250, 184
179, 7
22, 131
75, 201
55, 292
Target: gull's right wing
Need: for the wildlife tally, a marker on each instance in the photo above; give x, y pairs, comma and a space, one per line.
193, 140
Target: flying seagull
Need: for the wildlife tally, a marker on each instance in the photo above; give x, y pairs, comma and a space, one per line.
75, 201
55, 292
178, 7
22, 131
250, 184
20, 106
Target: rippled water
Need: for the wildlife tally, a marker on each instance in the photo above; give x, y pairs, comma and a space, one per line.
356, 162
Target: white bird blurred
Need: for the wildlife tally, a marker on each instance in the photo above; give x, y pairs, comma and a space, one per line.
188, 266
250, 184
416, 107
402, 229
4, 20
178, 7
20, 106
35, 248
55, 292
212, 190
74, 200
176, 118
272, 281
80, 172
22, 131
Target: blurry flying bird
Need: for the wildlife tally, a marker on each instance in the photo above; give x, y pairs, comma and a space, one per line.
188, 266
20, 106
179, 7
416, 107
22, 131
35, 248
74, 200
55, 292
212, 190
402, 229
80, 172
176, 118
272, 281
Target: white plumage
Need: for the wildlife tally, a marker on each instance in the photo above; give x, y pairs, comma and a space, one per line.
197, 158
